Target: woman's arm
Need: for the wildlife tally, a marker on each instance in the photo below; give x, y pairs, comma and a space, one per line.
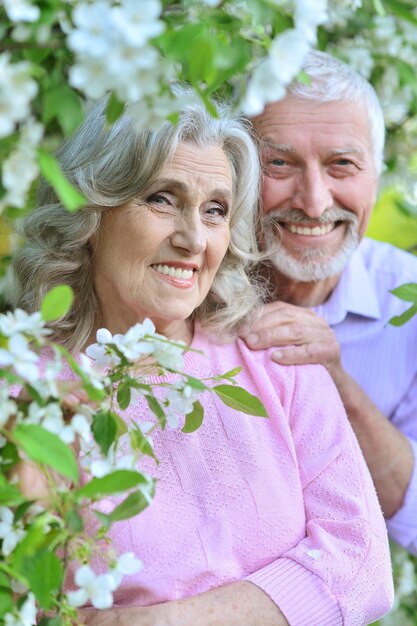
236, 604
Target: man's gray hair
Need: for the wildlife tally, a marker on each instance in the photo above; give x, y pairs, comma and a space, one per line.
111, 165
332, 80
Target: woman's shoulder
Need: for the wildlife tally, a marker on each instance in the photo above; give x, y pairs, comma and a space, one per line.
259, 367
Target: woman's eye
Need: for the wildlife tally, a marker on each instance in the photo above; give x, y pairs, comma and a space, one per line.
217, 210
158, 198
277, 162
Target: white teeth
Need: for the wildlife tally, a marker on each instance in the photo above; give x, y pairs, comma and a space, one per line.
174, 271
311, 232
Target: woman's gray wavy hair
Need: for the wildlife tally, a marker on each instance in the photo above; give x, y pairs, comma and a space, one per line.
110, 165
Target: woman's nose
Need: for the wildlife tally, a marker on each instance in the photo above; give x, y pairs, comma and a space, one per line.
190, 234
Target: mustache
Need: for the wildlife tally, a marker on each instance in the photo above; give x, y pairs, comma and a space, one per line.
297, 216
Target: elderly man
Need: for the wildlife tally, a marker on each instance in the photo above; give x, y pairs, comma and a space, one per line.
322, 152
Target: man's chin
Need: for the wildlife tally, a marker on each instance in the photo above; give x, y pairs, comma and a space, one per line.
309, 269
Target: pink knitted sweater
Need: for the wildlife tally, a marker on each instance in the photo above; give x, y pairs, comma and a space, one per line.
286, 502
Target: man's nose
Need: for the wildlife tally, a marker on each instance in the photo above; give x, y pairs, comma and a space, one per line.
312, 194
190, 234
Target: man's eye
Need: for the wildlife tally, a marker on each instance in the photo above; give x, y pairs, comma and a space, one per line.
277, 162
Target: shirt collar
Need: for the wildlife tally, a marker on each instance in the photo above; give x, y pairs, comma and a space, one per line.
354, 293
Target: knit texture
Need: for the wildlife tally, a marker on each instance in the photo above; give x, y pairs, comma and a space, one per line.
286, 503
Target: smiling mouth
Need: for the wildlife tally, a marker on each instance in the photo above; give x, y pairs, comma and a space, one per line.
314, 231
176, 272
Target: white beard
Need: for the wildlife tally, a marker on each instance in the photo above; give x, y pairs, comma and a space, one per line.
311, 264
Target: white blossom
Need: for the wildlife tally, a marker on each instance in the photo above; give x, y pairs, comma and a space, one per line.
126, 565
95, 377
10, 532
138, 22
129, 344
97, 588
8, 406
51, 418
92, 459
18, 354
180, 399
134, 344
263, 87
19, 321
21, 11
356, 53
113, 50
169, 355
308, 16
21, 168
288, 52
153, 112
211, 3
25, 616
102, 355
14, 79
270, 77
48, 386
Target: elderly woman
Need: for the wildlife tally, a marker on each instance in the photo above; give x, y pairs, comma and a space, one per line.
255, 521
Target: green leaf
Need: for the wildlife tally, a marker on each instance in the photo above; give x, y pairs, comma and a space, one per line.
21, 510
407, 292
207, 102
33, 542
56, 620
121, 425
195, 383
240, 399
57, 303
70, 197
44, 572
114, 108
156, 408
70, 109
131, 506
103, 518
140, 442
6, 602
93, 393
194, 419
116, 482
4, 580
399, 320
232, 373
75, 521
402, 9
9, 494
379, 7
104, 430
46, 448
64, 104
123, 396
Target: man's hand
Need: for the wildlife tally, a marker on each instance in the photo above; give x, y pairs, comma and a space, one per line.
311, 340
307, 338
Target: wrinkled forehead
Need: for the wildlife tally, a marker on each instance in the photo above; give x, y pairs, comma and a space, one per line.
294, 124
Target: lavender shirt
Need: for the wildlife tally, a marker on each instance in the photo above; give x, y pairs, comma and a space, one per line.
381, 357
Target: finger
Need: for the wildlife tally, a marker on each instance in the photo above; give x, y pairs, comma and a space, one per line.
293, 333
312, 353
